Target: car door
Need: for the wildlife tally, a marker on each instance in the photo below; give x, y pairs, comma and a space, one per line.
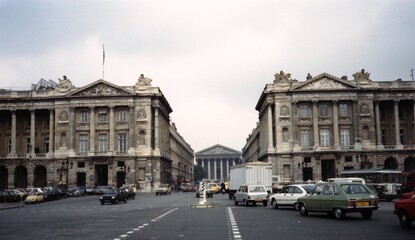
239, 194
326, 197
281, 197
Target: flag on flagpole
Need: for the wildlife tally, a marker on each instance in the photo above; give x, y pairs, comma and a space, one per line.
103, 54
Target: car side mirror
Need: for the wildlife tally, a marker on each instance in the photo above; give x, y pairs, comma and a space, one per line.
413, 197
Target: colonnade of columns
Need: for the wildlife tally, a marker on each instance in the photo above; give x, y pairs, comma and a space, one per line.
223, 167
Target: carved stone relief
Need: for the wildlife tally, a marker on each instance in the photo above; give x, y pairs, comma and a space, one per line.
100, 89
63, 116
284, 111
64, 84
143, 83
324, 84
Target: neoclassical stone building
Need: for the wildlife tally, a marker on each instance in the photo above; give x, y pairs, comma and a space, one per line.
99, 134
314, 129
217, 160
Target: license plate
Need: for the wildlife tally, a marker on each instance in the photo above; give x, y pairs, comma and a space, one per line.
362, 204
258, 199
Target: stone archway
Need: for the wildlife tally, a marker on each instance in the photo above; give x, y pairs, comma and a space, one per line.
39, 176
390, 163
409, 164
4, 175
20, 177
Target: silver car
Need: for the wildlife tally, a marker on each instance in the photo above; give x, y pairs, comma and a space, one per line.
251, 194
289, 195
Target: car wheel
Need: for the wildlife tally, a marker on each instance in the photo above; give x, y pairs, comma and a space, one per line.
274, 204
367, 214
236, 203
338, 213
404, 219
125, 200
303, 210
102, 203
265, 203
169, 193
246, 203
157, 194
296, 206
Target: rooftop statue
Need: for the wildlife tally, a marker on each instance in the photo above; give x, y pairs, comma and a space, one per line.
143, 83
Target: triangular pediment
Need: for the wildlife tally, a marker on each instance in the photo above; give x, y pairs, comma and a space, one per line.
100, 88
217, 149
326, 82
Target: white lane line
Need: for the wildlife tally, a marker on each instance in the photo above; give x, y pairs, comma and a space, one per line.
235, 230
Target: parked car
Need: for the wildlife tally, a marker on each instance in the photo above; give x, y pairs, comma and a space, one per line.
34, 197
289, 194
77, 191
62, 192
408, 194
251, 194
340, 198
50, 194
113, 196
188, 187
100, 190
215, 187
132, 187
130, 193
405, 210
209, 191
34, 189
7, 196
163, 189
20, 193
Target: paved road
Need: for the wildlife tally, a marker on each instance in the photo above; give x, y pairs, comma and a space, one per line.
170, 217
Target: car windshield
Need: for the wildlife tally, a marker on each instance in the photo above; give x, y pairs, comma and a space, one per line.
163, 185
256, 189
354, 189
309, 188
111, 191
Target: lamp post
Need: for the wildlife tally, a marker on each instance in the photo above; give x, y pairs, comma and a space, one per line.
64, 168
364, 161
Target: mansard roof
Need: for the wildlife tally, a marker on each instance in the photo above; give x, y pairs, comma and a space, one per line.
100, 88
217, 150
325, 81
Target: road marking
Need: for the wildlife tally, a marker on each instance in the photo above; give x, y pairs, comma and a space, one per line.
145, 224
235, 231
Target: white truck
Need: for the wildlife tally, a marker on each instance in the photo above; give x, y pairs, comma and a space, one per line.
250, 173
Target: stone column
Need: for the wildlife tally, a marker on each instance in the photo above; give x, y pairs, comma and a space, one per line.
51, 132
131, 118
32, 132
215, 169
227, 169
92, 130
397, 125
270, 145
379, 144
112, 124
357, 143
336, 124
294, 121
72, 126
209, 175
156, 132
315, 124
13, 135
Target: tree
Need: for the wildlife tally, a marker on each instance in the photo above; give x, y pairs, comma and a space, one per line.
199, 173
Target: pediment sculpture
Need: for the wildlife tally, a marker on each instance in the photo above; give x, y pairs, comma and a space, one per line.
100, 89
143, 83
64, 84
324, 83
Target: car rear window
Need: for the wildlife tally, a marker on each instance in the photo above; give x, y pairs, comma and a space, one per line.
256, 189
354, 189
309, 188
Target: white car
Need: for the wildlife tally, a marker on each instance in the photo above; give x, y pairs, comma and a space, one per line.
251, 194
289, 195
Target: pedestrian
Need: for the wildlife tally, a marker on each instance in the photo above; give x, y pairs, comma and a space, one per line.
222, 188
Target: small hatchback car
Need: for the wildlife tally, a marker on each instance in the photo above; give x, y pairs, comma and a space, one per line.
251, 194
405, 210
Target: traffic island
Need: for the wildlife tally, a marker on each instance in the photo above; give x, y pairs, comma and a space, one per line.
203, 205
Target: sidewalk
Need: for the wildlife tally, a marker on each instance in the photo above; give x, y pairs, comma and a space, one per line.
4, 206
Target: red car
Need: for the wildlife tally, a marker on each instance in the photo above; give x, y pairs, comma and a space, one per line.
408, 194
187, 187
405, 209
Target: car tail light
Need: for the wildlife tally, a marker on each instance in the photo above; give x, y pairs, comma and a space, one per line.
351, 203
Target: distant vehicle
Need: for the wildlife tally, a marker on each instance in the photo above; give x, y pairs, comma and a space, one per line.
99, 190
7, 196
77, 191
386, 182
130, 193
289, 194
250, 173
22, 194
34, 197
408, 181
209, 191
132, 187
113, 196
405, 210
347, 179
163, 189
251, 194
338, 199
215, 187
50, 194
188, 187
35, 189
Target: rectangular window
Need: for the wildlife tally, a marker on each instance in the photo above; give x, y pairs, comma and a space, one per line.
325, 137
84, 116
46, 144
9, 148
103, 142
304, 110
102, 116
402, 136
344, 109
324, 109
305, 138
83, 143
122, 115
28, 145
81, 164
122, 142
345, 137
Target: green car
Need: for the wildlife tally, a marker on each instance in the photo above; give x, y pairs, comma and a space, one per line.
337, 198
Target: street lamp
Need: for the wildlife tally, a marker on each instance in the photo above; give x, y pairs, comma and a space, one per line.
364, 161
64, 168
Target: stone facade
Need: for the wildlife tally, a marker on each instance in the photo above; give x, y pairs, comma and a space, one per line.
99, 134
217, 160
314, 129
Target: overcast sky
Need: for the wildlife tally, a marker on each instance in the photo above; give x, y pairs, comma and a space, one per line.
211, 59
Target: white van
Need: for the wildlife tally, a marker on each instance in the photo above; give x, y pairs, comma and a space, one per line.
349, 180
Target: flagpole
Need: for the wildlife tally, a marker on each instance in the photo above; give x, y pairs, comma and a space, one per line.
103, 60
